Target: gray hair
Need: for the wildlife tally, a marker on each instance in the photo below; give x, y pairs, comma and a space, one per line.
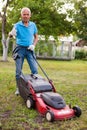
25, 8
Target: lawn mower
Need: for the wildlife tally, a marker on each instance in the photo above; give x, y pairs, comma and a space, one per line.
39, 93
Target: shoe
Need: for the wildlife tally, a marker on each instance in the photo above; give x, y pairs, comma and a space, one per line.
17, 92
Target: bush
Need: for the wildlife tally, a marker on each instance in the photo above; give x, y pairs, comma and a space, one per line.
80, 54
44, 48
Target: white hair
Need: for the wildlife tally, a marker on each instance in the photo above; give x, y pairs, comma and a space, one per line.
25, 8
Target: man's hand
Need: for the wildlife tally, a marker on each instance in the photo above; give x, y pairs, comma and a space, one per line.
31, 47
12, 33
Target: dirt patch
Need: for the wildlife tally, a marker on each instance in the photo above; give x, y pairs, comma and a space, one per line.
39, 119
84, 128
6, 114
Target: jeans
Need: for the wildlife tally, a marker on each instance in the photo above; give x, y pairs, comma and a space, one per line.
24, 53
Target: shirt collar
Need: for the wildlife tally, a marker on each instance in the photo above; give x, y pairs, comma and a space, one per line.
21, 23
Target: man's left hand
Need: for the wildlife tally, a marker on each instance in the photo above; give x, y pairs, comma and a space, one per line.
31, 47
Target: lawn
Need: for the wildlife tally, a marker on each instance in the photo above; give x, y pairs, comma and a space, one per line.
70, 80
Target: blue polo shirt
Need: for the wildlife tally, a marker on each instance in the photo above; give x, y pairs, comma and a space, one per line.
25, 35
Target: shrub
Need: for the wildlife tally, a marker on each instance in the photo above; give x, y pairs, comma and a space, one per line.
80, 54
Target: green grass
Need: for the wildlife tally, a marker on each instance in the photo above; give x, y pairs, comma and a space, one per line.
70, 80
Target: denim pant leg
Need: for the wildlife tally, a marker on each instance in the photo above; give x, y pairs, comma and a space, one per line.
19, 64
31, 61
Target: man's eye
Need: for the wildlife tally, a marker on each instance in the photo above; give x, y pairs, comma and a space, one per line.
26, 14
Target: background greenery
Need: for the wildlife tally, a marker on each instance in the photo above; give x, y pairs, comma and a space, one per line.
81, 54
51, 16
70, 80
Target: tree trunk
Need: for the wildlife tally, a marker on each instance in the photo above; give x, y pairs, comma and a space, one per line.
5, 41
5, 44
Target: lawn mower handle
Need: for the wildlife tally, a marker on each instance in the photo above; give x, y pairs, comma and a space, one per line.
40, 66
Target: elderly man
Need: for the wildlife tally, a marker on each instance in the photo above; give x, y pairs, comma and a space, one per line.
25, 32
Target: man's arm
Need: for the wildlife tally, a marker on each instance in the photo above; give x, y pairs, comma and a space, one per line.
35, 39
32, 47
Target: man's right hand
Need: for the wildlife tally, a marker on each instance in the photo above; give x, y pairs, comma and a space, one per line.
12, 33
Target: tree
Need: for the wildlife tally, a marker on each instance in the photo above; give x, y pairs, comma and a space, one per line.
4, 40
81, 19
44, 12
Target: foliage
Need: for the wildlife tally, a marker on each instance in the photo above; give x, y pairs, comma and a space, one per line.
80, 18
44, 13
80, 54
48, 18
44, 48
41, 48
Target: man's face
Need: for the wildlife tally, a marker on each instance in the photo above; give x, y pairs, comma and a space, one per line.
25, 16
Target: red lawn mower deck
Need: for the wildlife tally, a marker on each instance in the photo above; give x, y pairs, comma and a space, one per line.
41, 94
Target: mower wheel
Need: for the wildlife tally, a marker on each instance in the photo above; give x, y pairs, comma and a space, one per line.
49, 116
30, 103
77, 110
